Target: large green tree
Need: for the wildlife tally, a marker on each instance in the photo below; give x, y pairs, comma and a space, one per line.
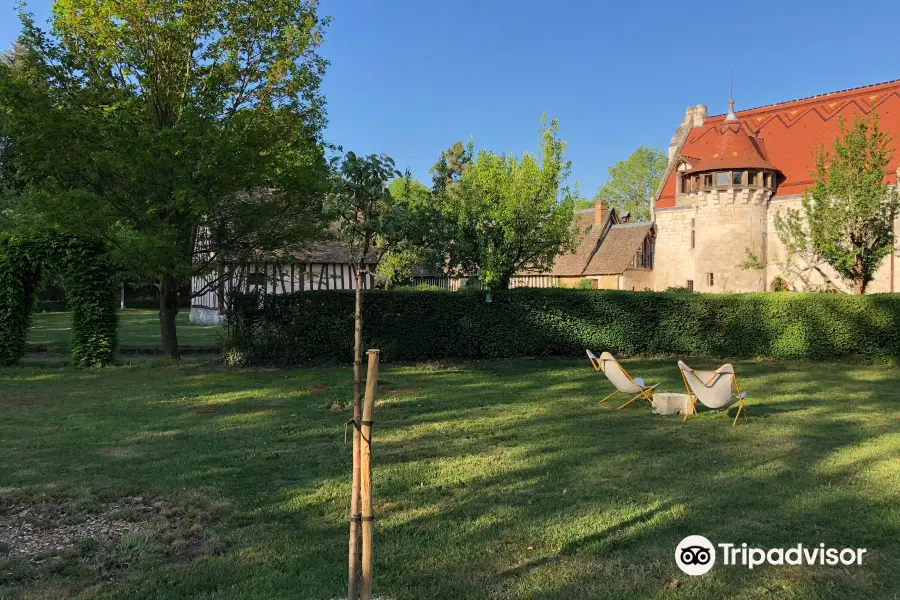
633, 181
395, 266
848, 214
187, 133
507, 214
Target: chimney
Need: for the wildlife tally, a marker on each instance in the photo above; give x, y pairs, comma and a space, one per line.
600, 211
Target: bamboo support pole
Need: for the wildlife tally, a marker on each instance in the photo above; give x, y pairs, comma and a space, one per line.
353, 555
368, 519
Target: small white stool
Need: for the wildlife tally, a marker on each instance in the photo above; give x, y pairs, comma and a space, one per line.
671, 404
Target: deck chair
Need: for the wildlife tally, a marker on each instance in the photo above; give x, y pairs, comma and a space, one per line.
717, 390
620, 378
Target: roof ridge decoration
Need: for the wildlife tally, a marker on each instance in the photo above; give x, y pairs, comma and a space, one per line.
891, 82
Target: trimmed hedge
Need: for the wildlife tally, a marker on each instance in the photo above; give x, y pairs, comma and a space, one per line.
88, 276
318, 326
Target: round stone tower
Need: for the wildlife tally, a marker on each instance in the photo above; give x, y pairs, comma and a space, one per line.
726, 193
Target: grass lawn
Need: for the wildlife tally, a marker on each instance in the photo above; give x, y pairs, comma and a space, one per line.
137, 329
499, 480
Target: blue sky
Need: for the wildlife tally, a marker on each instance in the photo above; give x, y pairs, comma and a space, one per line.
409, 77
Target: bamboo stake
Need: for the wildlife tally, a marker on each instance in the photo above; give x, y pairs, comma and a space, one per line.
368, 519
353, 557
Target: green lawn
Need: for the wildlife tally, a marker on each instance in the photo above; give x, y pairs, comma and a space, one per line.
499, 480
137, 329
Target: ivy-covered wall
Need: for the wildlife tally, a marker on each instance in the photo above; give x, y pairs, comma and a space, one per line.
415, 325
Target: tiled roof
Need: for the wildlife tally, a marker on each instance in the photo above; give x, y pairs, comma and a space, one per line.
726, 147
787, 134
328, 252
618, 249
572, 265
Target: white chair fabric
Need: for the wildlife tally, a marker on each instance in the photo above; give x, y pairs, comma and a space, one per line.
617, 375
713, 389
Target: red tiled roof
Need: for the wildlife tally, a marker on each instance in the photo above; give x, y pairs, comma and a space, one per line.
786, 135
726, 147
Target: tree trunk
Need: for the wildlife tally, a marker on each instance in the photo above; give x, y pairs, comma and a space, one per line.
859, 284
352, 581
168, 309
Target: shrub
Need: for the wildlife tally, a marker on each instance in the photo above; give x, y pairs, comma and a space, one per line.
88, 278
318, 326
585, 284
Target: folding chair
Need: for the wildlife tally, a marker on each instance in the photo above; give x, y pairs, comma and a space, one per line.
717, 390
620, 378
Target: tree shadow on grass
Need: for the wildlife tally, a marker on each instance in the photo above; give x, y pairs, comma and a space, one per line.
473, 468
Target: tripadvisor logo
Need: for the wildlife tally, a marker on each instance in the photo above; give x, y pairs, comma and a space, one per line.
696, 555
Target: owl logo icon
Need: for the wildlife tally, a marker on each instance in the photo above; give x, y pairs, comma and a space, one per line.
695, 555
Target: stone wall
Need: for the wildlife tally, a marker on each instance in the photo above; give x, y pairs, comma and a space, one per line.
726, 224
637, 280
673, 260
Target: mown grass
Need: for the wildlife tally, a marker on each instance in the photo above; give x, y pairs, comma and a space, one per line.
137, 329
499, 480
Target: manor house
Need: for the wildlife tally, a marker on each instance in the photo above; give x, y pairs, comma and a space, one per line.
729, 175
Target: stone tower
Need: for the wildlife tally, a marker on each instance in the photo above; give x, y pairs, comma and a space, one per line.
721, 204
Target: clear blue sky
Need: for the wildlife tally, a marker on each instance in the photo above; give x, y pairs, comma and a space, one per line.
409, 77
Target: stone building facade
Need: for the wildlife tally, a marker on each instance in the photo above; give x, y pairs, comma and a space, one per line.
729, 175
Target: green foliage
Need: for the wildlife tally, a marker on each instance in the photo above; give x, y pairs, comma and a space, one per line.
585, 284
360, 206
506, 214
158, 123
779, 284
752, 262
633, 181
90, 288
91, 293
313, 326
19, 276
396, 266
848, 214
421, 238
679, 289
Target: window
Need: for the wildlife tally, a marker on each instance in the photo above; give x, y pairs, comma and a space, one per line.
722, 179
690, 285
770, 181
693, 235
707, 180
709, 279
737, 177
754, 179
685, 185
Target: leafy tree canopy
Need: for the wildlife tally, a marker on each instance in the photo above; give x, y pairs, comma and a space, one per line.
848, 214
633, 182
506, 214
185, 133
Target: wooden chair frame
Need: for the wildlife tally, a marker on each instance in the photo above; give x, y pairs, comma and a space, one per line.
646, 392
693, 408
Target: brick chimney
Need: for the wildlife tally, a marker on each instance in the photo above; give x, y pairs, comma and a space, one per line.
601, 209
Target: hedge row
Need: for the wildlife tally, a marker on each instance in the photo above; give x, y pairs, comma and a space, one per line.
88, 278
411, 325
